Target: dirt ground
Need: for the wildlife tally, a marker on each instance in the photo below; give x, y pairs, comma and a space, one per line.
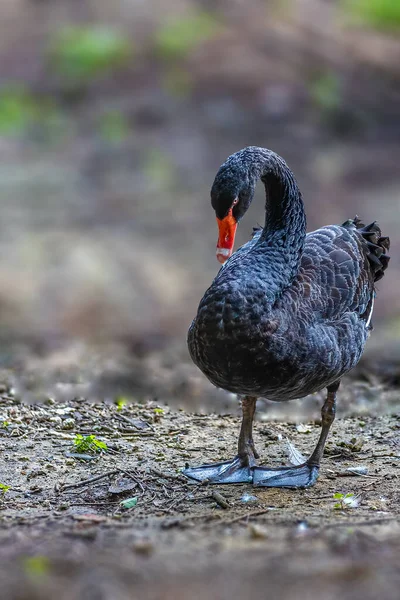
122, 522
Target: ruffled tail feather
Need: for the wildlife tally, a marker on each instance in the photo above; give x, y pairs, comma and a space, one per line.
376, 245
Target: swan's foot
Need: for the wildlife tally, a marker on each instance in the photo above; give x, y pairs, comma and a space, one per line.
239, 469
301, 476
231, 471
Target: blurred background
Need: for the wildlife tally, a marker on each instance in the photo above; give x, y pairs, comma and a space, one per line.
114, 118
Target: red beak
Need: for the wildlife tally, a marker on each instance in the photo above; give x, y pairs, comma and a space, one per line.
227, 230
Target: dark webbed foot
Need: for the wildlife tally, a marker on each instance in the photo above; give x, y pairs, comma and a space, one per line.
306, 474
238, 470
231, 471
300, 476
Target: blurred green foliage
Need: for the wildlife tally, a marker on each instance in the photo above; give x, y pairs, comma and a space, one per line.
80, 54
36, 566
380, 14
178, 82
325, 91
18, 110
180, 36
21, 112
114, 127
159, 168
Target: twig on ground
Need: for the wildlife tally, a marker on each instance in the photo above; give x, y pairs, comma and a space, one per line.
71, 486
129, 474
177, 522
178, 477
94, 503
220, 500
133, 423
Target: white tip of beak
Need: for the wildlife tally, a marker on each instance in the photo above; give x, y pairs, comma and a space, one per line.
223, 254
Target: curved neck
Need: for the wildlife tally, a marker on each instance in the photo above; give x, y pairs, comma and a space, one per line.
284, 209
283, 236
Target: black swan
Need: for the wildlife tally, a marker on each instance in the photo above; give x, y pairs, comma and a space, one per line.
288, 314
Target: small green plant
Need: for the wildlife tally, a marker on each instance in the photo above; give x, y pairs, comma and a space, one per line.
180, 36
88, 444
81, 54
344, 501
379, 14
158, 414
5, 424
120, 402
4, 489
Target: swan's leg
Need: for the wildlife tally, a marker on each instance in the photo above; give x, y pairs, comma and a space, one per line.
238, 470
304, 475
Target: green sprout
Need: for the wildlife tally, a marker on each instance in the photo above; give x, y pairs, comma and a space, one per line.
120, 402
158, 414
4, 489
88, 444
344, 501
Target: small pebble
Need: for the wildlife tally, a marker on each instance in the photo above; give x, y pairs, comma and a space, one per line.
303, 428
144, 547
257, 532
35, 472
68, 423
35, 489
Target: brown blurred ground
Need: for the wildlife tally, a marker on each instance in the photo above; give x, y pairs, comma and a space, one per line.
106, 228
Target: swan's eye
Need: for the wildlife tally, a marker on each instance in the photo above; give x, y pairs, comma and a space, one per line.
236, 200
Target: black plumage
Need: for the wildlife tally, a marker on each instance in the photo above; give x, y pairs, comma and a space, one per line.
289, 313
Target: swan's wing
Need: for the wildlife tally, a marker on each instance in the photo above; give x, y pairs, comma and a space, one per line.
339, 267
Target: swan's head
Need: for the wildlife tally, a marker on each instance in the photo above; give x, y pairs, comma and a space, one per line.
231, 195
